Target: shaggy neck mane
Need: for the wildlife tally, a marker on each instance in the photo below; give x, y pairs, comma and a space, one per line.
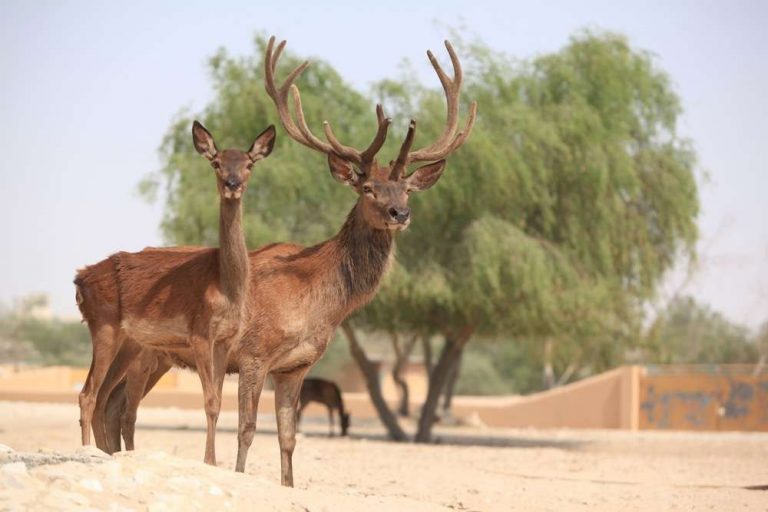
233, 254
361, 256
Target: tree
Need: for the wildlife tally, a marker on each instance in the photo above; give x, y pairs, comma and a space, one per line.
689, 332
552, 225
26, 336
559, 217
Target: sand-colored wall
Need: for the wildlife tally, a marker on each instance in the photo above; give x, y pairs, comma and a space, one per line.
597, 402
624, 398
603, 401
704, 402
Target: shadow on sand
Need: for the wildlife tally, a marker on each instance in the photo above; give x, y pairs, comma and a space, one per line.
441, 437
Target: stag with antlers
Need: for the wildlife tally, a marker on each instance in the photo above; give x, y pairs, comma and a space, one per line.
298, 296
186, 303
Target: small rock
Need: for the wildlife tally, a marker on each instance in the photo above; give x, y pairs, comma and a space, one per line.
14, 475
182, 482
15, 469
92, 451
142, 476
157, 456
157, 506
91, 484
112, 470
473, 420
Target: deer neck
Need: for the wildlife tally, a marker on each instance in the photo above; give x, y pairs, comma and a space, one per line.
233, 253
364, 257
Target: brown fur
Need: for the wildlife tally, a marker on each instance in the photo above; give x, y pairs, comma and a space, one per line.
181, 299
297, 297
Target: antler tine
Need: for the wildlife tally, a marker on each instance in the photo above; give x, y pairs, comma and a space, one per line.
366, 155
339, 148
398, 168
299, 130
279, 96
381, 135
304, 128
451, 87
458, 140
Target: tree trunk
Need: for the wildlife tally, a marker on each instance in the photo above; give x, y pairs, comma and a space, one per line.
452, 350
453, 376
395, 432
402, 355
760, 364
426, 346
548, 377
567, 374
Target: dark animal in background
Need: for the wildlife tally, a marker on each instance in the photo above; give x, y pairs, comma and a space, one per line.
328, 393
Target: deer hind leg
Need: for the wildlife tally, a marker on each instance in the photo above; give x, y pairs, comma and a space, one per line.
287, 388
113, 412
251, 381
126, 356
105, 345
137, 387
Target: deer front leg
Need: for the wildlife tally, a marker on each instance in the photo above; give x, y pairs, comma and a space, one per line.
212, 400
330, 421
287, 388
250, 383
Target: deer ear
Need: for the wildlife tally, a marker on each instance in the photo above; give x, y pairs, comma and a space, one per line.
426, 176
203, 141
343, 170
262, 146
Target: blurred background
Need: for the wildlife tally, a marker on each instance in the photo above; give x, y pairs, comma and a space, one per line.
609, 208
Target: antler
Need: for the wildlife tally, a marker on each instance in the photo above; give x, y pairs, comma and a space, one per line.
302, 133
449, 140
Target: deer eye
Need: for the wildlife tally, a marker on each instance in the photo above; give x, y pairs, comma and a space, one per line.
215, 165
367, 189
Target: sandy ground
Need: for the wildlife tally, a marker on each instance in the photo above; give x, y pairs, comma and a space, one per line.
471, 469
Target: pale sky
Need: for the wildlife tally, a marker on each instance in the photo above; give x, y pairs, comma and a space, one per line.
88, 89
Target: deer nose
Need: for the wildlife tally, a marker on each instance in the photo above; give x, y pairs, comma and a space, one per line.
399, 214
232, 184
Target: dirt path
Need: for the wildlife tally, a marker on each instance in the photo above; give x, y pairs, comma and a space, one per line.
473, 469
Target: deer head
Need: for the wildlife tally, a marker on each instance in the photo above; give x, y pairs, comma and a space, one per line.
232, 166
383, 189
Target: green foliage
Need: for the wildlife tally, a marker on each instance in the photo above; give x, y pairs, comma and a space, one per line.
689, 332
494, 367
561, 214
335, 359
30, 338
290, 196
555, 221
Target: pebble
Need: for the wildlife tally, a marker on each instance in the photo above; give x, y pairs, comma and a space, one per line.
184, 482
14, 476
91, 484
142, 476
92, 451
15, 469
